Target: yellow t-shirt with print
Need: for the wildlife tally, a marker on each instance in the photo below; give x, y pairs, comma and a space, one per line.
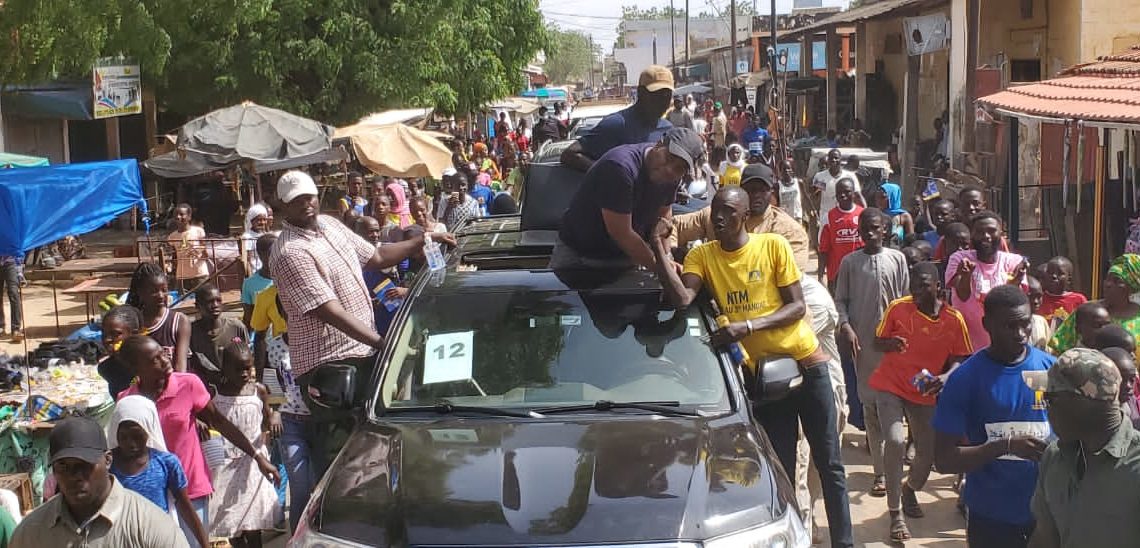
266, 314
746, 285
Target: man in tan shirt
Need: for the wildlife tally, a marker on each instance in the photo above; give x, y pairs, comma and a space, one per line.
92, 510
758, 181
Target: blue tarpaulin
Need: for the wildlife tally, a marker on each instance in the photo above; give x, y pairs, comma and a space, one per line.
39, 205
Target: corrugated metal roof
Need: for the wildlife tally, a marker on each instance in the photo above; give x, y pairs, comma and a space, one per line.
867, 12
1106, 90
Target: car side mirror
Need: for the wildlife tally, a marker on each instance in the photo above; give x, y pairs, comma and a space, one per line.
334, 386
776, 378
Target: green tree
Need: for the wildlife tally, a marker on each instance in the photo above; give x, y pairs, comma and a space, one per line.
571, 55
332, 60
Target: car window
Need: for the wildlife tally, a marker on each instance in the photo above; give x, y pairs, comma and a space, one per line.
538, 349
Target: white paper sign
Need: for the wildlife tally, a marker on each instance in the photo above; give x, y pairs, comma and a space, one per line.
448, 357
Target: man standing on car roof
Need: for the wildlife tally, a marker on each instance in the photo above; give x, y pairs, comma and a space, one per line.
624, 193
641, 122
316, 264
755, 280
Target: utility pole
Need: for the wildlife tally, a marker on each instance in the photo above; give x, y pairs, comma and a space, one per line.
672, 36
775, 53
732, 33
654, 47
686, 35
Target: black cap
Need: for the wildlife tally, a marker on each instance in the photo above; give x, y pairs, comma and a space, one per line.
685, 144
77, 438
757, 172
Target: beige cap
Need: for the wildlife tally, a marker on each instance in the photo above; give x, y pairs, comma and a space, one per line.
655, 78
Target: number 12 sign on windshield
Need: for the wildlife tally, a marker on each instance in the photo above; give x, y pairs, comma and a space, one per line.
448, 357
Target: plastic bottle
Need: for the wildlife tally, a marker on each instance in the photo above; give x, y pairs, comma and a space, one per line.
433, 254
735, 350
922, 380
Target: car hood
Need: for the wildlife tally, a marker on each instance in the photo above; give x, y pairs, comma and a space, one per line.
585, 480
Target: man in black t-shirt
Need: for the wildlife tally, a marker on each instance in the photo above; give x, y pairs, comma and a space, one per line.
624, 194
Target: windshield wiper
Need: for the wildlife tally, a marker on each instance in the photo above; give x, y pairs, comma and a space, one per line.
662, 407
445, 407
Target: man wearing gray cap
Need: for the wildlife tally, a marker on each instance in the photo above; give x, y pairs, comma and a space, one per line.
1087, 485
624, 194
92, 509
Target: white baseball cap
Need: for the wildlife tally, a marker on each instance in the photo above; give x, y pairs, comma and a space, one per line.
293, 184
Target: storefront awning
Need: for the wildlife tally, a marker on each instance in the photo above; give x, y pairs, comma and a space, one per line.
52, 101
1107, 90
867, 12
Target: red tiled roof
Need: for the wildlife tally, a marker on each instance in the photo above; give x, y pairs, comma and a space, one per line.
1106, 90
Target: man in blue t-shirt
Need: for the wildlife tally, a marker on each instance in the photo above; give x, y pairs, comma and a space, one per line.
991, 426
641, 122
623, 195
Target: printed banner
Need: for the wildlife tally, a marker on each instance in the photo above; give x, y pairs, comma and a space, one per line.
117, 90
927, 34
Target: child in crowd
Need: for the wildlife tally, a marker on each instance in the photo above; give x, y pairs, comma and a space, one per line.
1039, 330
840, 236
869, 280
1126, 363
956, 237
382, 212
258, 281
272, 349
369, 229
353, 199
210, 333
917, 332
421, 215
913, 256
244, 502
141, 463
148, 292
790, 199
1059, 300
118, 324
190, 255
941, 212
1088, 318
924, 247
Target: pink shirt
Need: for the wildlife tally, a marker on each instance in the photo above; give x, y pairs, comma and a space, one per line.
985, 278
178, 407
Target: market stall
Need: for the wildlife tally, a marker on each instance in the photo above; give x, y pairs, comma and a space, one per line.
45, 204
396, 150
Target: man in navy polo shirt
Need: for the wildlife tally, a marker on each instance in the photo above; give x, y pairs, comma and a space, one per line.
641, 122
624, 194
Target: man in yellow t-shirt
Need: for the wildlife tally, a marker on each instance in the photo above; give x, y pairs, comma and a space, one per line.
755, 280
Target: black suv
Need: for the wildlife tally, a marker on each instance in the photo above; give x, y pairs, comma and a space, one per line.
517, 406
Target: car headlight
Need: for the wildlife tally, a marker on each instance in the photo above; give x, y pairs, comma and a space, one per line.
786, 532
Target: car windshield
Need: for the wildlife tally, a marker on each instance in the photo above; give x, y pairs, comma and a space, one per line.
543, 349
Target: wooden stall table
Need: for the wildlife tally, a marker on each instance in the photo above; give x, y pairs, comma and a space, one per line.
95, 288
114, 265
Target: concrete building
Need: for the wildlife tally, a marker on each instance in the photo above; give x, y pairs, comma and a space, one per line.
645, 42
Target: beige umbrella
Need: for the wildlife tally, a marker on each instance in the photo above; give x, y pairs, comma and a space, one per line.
397, 150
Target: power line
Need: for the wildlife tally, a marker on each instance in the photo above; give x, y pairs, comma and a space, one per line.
606, 17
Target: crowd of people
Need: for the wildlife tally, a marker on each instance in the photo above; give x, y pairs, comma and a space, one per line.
922, 328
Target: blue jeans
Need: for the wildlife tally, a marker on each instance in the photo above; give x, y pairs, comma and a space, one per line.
813, 407
295, 454
987, 533
201, 507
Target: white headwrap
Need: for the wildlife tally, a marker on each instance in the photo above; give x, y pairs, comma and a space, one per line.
256, 210
141, 411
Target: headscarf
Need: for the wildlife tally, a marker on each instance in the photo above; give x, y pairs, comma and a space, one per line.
141, 411
400, 212
894, 198
1127, 268
256, 210
480, 148
739, 164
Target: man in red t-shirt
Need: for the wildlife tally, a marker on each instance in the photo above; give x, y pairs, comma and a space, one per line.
917, 332
1058, 301
840, 236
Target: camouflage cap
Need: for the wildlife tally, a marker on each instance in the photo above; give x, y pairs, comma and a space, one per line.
1080, 371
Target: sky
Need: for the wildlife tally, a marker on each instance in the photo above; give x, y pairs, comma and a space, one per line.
599, 18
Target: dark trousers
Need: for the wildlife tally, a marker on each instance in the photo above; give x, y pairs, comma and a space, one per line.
813, 407
10, 284
327, 430
987, 533
851, 385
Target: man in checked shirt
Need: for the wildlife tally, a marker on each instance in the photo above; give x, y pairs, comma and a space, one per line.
317, 265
